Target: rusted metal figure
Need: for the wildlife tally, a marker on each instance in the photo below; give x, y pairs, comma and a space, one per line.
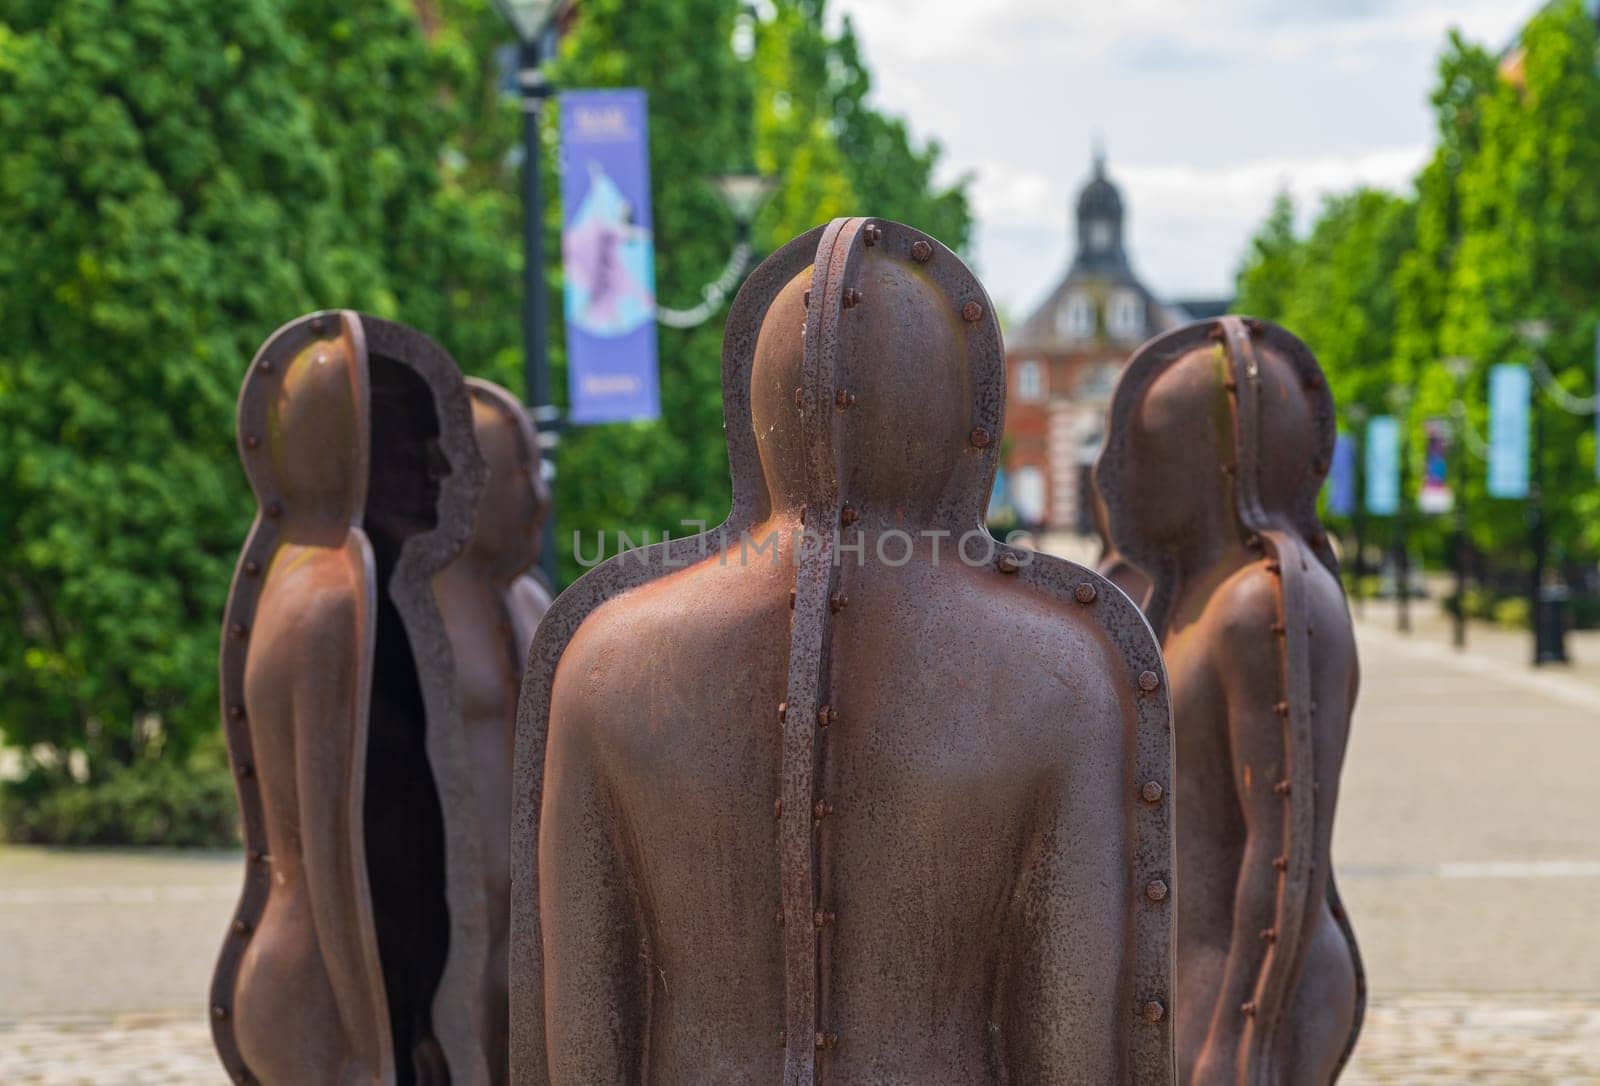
358, 944
491, 606
1219, 439
884, 803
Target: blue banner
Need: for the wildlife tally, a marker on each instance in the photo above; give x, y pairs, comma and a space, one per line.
608, 257
1383, 466
1509, 391
1342, 477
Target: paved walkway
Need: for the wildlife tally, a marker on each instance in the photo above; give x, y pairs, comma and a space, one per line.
1468, 852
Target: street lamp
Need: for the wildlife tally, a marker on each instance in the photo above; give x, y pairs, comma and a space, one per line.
1459, 367
1544, 601
530, 20
1357, 415
742, 193
1400, 402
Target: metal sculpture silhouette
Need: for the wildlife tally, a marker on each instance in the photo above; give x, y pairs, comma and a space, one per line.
1219, 439
841, 791
491, 606
357, 946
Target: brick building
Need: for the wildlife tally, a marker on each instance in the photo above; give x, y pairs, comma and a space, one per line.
1063, 361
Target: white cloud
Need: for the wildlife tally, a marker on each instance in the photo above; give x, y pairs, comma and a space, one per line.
1208, 107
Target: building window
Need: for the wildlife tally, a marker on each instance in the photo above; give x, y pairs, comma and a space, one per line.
1030, 381
1126, 315
1100, 235
1075, 320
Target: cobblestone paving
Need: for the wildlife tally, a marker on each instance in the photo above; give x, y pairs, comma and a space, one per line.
1421, 1040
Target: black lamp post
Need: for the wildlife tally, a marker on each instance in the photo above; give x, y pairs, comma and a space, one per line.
1545, 602
1357, 414
1400, 402
1459, 368
530, 20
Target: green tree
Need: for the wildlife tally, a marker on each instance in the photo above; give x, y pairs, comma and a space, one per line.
178, 177
1268, 275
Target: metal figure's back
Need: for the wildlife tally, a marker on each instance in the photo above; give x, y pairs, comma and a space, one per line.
841, 792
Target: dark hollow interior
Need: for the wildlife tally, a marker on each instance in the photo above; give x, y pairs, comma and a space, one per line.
404, 825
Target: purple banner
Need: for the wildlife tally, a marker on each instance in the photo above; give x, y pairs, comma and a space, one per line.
1435, 495
608, 257
1342, 477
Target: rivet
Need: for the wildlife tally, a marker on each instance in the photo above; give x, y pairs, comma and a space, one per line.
783, 711
870, 233
1217, 333
972, 312
1269, 935
1151, 792
246, 770
1282, 788
1148, 681
1085, 593
779, 918
257, 856
1154, 1010
1229, 469
319, 358
219, 1012
274, 509
236, 712
251, 441
1253, 542
843, 399
791, 599
822, 919
1281, 708
777, 808
237, 631
799, 397
1008, 563
1278, 628
241, 927
921, 251
851, 298
848, 515
822, 809
837, 602
252, 568
826, 716
980, 438
808, 296
1248, 1008
317, 325
827, 1040
783, 1038
1231, 385
1313, 380
1280, 863
265, 365
1274, 567
1254, 325
1156, 890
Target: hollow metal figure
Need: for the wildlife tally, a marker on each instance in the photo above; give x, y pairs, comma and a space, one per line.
1219, 439
492, 603
843, 791
357, 946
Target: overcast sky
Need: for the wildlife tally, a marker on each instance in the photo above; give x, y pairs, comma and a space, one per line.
1206, 107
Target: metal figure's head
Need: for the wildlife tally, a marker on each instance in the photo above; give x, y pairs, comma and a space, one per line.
1219, 430
874, 376
516, 499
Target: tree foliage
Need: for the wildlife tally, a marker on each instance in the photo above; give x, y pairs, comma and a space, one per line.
178, 177
1503, 227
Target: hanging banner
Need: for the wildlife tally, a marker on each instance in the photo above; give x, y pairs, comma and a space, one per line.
1435, 495
1383, 466
608, 257
1341, 482
1597, 398
1509, 390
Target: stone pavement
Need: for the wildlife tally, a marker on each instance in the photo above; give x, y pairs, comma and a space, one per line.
1468, 853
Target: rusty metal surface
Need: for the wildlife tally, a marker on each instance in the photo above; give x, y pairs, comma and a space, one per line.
357, 947
491, 607
1220, 436
794, 816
